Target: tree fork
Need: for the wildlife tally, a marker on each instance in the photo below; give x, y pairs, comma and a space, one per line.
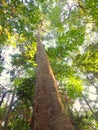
48, 113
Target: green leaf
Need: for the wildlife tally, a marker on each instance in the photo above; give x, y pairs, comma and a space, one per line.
1, 69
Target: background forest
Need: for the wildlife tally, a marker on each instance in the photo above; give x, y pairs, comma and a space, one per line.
69, 34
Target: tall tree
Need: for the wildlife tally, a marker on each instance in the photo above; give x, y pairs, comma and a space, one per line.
48, 110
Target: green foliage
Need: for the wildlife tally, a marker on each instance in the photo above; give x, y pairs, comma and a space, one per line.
74, 87
83, 121
18, 18
2, 111
25, 59
1, 69
55, 18
72, 39
25, 88
89, 59
20, 116
91, 8
18, 60
20, 124
19, 22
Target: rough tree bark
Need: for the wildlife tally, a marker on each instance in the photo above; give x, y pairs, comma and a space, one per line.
48, 111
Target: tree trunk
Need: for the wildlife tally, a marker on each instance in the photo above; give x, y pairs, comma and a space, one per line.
2, 98
48, 111
6, 118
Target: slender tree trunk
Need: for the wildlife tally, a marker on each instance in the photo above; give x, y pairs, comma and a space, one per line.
6, 118
48, 111
94, 114
2, 99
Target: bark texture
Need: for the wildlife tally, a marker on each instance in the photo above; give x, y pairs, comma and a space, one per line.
48, 111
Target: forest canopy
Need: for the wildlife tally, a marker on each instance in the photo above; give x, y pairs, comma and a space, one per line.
69, 35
